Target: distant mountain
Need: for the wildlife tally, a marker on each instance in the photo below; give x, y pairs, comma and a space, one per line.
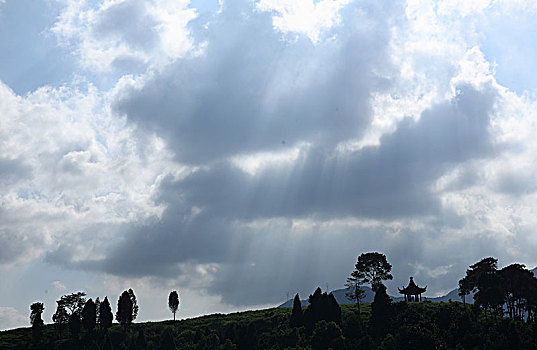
341, 297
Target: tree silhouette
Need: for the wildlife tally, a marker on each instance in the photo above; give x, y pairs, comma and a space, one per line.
89, 315
105, 314
296, 314
483, 277
74, 325
134, 304
371, 268
356, 293
72, 303
173, 302
322, 306
380, 307
61, 318
518, 286
97, 310
36, 310
464, 289
125, 309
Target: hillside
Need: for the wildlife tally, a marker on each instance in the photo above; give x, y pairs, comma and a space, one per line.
403, 325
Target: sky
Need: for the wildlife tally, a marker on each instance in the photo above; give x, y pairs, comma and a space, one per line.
243, 151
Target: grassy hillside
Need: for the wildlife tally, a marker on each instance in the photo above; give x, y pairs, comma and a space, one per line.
403, 326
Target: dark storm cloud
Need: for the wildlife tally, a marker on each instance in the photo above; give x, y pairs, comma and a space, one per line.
250, 89
387, 182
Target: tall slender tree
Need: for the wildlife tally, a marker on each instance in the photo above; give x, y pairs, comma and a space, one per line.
105, 314
173, 302
380, 307
74, 325
89, 315
370, 268
36, 310
97, 310
125, 311
134, 304
296, 315
60, 318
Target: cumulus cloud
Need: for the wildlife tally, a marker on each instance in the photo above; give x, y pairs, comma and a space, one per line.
125, 35
305, 16
65, 168
226, 102
310, 131
292, 137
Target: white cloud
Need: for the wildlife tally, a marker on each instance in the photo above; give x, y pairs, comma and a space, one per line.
304, 16
125, 35
78, 168
59, 286
11, 318
397, 137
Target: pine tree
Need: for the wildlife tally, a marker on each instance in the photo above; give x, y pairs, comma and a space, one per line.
89, 315
134, 304
74, 325
296, 315
380, 310
105, 314
97, 310
125, 311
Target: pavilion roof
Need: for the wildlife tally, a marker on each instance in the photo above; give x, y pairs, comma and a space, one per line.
412, 288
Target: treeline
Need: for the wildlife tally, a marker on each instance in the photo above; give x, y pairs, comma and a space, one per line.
88, 321
502, 317
511, 291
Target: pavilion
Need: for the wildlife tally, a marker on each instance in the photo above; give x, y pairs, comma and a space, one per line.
412, 292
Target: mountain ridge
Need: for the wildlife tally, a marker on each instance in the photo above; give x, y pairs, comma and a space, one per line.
341, 297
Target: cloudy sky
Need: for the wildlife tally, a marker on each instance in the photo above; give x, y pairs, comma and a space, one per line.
242, 151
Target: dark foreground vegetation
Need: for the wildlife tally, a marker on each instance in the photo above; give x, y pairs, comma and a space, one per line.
503, 316
404, 326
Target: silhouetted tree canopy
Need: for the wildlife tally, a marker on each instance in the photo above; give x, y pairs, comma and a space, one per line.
97, 310
173, 302
511, 290
380, 310
371, 268
89, 315
322, 306
60, 317
296, 315
126, 310
36, 310
483, 277
74, 325
105, 314
72, 303
134, 304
